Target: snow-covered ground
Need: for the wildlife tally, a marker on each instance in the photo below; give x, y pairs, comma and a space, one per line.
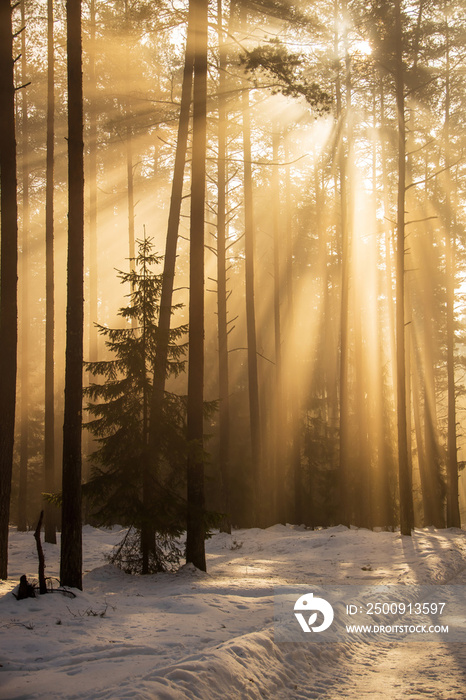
210, 635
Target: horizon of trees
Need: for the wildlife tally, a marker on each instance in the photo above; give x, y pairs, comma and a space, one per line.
325, 144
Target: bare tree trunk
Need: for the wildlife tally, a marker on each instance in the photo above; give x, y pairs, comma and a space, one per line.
130, 183
420, 450
426, 440
436, 487
222, 293
129, 150
71, 539
388, 392
168, 277
8, 274
453, 511
279, 500
344, 486
389, 243
363, 506
147, 531
253, 382
93, 269
294, 397
404, 474
49, 419
383, 506
24, 399
195, 535
91, 293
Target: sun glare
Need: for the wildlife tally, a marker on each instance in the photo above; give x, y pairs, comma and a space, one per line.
363, 48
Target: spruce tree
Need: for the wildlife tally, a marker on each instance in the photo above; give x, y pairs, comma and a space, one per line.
127, 486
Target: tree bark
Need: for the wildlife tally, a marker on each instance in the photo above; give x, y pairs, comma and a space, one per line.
8, 274
49, 418
93, 260
40, 556
147, 530
294, 395
417, 402
169, 263
222, 293
279, 500
253, 381
344, 476
453, 511
160, 366
129, 148
435, 484
195, 536
71, 540
25, 319
404, 474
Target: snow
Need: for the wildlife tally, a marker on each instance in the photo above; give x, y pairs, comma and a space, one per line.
210, 635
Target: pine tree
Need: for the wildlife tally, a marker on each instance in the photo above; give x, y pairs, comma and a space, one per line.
127, 486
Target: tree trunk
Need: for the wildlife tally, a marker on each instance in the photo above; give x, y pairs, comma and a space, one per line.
425, 444
382, 506
436, 487
344, 476
453, 511
129, 148
25, 318
195, 536
8, 275
92, 257
279, 477
417, 399
50, 513
93, 277
130, 181
222, 293
404, 475
71, 540
147, 531
363, 478
253, 382
40, 556
168, 276
294, 395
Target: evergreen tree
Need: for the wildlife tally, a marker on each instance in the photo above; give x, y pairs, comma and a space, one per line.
127, 485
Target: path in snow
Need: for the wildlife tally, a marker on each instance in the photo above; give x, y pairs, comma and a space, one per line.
416, 670
404, 671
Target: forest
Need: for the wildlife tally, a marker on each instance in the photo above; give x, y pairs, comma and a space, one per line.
232, 269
